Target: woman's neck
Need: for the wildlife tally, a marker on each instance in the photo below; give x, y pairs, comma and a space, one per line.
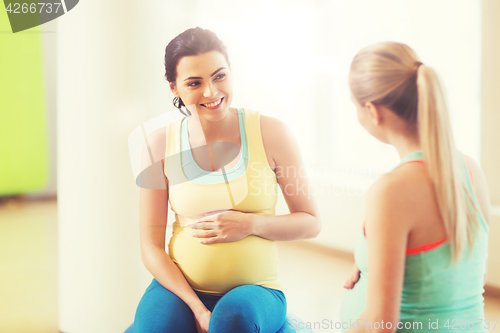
213, 131
405, 144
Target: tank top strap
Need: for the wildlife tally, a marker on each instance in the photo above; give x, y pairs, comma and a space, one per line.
172, 145
172, 161
469, 180
415, 157
467, 173
256, 149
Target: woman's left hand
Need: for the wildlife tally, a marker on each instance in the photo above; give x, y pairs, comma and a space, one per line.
353, 279
229, 226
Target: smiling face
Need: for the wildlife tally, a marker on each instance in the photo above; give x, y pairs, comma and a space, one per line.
205, 80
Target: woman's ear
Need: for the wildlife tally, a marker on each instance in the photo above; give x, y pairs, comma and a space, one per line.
374, 112
173, 88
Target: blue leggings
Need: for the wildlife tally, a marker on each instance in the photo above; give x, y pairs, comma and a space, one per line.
247, 308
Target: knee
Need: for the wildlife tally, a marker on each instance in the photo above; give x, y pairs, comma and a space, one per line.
160, 310
234, 318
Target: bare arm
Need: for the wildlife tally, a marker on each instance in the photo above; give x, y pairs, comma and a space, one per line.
153, 210
387, 229
302, 222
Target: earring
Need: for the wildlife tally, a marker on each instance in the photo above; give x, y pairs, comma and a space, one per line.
176, 102
179, 104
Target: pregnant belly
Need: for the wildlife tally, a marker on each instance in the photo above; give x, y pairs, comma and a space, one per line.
217, 268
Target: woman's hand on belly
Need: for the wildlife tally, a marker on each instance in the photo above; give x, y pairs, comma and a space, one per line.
229, 226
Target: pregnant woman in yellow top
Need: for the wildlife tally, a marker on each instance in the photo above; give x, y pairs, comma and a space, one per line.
220, 273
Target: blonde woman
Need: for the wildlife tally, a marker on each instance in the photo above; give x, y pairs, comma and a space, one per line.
421, 256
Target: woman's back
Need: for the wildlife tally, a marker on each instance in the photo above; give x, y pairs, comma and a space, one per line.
435, 291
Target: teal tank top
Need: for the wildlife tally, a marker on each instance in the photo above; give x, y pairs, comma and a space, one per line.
196, 174
437, 296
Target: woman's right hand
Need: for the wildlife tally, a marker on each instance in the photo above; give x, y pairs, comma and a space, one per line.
202, 321
353, 279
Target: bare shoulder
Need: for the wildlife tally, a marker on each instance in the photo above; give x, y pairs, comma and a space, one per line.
273, 127
397, 195
403, 183
480, 186
152, 160
279, 141
157, 137
155, 143
387, 190
386, 207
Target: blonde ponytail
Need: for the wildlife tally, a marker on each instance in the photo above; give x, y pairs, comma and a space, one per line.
443, 163
391, 75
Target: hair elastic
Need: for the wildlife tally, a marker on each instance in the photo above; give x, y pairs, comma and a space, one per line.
418, 63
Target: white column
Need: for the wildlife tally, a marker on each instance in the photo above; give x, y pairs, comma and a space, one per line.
110, 80
490, 136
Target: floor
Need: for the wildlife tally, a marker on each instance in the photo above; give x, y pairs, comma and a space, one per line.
28, 273
28, 267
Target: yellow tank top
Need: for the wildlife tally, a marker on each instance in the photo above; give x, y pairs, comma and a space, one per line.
218, 268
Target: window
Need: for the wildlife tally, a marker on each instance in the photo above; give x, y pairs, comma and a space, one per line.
291, 59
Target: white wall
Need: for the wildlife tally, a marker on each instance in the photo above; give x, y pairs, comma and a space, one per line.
109, 81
